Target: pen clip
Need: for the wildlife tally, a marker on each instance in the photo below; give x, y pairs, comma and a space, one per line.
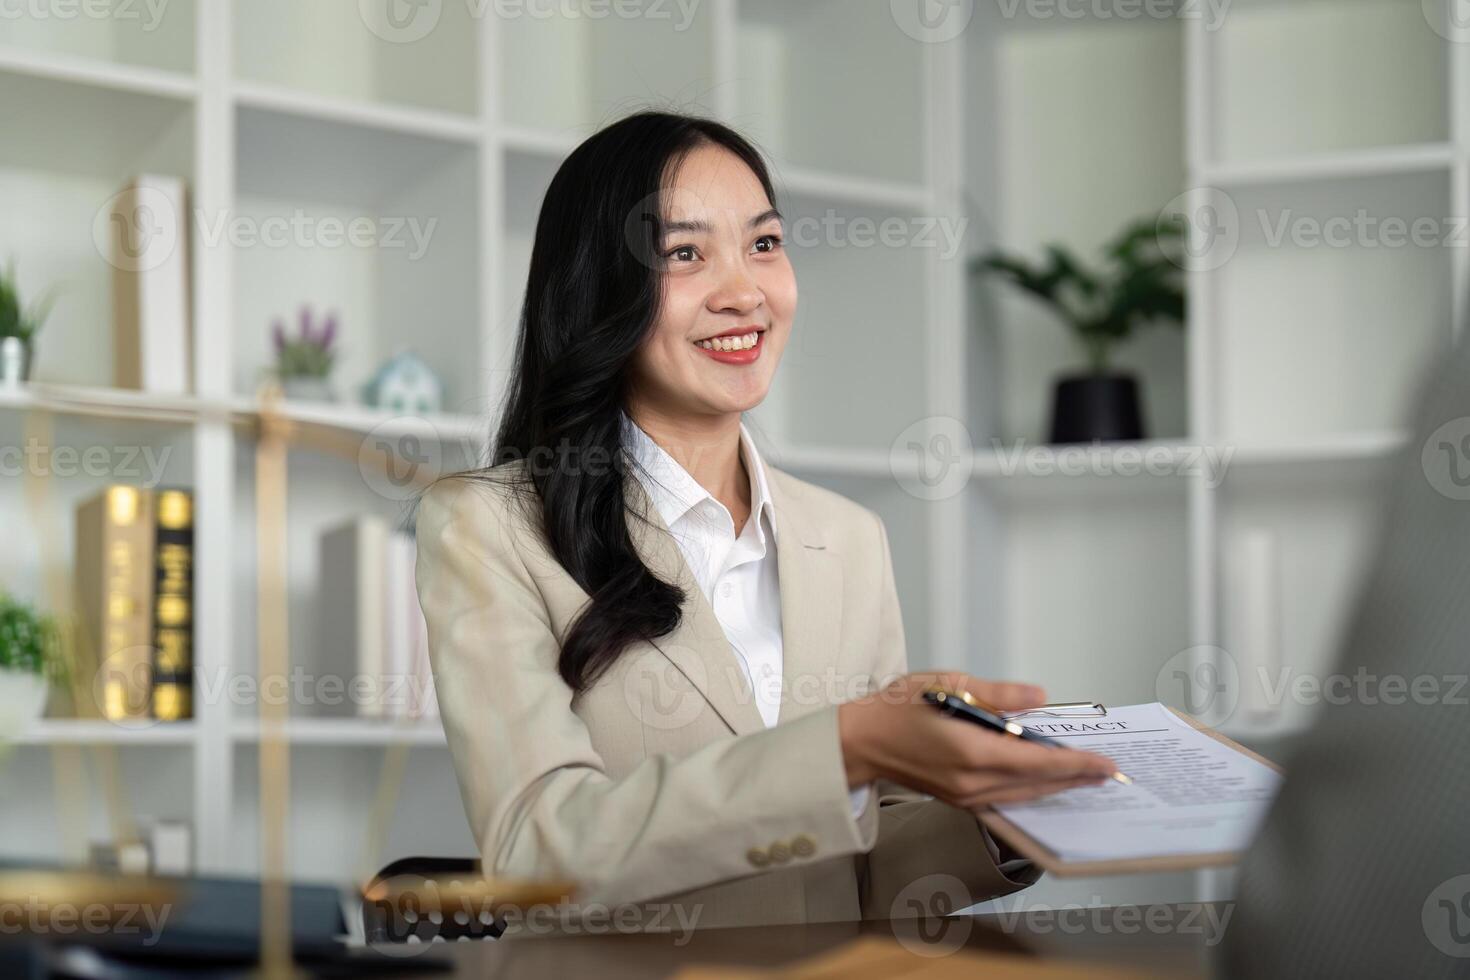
939, 695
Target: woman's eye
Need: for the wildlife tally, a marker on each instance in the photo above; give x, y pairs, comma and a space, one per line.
768, 243
684, 253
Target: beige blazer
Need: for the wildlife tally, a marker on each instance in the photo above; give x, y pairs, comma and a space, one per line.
659, 785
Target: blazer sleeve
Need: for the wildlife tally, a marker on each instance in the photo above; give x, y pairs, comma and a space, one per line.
930, 857
539, 798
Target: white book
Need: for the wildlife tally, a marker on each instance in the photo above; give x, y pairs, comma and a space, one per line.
148, 235
351, 637
173, 847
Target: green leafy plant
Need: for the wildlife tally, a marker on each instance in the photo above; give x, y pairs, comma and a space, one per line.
310, 353
29, 641
1140, 282
17, 320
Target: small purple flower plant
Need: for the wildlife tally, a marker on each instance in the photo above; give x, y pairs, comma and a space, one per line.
309, 354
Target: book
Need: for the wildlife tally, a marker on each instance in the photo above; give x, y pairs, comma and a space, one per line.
135, 595
114, 544
351, 616
373, 633
173, 605
172, 845
149, 236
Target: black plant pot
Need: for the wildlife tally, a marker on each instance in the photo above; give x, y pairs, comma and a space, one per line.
1096, 408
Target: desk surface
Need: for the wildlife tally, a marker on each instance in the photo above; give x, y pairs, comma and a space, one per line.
1162, 940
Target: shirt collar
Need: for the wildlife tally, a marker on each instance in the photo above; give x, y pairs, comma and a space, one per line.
674, 492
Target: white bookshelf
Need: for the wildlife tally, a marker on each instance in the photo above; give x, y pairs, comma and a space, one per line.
1298, 360
346, 732
1032, 131
67, 731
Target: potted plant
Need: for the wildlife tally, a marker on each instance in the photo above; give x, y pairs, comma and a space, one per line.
304, 362
18, 328
29, 659
1139, 283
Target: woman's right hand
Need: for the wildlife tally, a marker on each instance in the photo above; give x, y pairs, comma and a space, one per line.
895, 735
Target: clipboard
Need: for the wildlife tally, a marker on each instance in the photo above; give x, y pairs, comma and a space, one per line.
1046, 859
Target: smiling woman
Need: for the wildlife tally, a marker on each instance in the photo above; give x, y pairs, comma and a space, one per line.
661, 663
727, 295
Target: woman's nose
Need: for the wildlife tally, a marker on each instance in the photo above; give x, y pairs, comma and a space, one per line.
737, 292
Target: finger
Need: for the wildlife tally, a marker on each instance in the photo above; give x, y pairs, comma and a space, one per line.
962, 789
1035, 761
1006, 695
949, 680
1025, 792
1003, 695
977, 791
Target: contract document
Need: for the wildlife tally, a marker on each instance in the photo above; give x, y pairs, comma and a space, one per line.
1193, 795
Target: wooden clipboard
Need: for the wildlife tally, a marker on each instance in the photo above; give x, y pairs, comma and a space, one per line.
1038, 853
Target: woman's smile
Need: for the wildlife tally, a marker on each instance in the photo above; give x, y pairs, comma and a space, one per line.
741, 345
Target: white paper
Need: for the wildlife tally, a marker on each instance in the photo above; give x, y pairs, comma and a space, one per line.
1190, 795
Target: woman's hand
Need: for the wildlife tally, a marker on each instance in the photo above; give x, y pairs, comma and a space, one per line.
895, 735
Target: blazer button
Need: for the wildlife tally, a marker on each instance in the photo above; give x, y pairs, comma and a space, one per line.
803, 846
780, 853
758, 857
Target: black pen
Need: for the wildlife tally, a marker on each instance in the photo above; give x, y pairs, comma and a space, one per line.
964, 705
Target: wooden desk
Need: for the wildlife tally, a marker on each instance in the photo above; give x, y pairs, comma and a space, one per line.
1175, 942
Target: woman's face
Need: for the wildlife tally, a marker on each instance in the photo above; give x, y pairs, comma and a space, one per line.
725, 274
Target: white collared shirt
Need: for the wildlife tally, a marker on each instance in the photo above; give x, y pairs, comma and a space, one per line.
737, 574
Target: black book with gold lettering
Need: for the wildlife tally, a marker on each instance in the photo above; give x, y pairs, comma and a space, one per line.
173, 605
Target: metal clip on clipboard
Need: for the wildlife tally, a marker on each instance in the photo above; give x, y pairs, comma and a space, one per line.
1064, 709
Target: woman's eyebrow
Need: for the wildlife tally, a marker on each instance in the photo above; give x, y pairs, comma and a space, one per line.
699, 224
765, 216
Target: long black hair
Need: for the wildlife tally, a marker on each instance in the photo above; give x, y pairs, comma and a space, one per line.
592, 295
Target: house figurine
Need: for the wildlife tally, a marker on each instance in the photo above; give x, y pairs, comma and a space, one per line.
405, 384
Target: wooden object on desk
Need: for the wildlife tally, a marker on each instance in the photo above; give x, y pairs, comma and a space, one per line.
872, 958
1093, 942
106, 899
452, 894
1045, 858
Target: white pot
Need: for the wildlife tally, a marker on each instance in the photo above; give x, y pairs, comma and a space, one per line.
22, 699
15, 362
308, 389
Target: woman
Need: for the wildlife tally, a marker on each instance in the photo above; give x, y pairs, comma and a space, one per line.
658, 660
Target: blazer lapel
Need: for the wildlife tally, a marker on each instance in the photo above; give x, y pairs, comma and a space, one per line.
698, 647
811, 611
811, 601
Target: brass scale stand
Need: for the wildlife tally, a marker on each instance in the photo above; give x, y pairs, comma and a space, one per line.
275, 434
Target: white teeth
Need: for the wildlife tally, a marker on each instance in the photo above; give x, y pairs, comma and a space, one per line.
730, 343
